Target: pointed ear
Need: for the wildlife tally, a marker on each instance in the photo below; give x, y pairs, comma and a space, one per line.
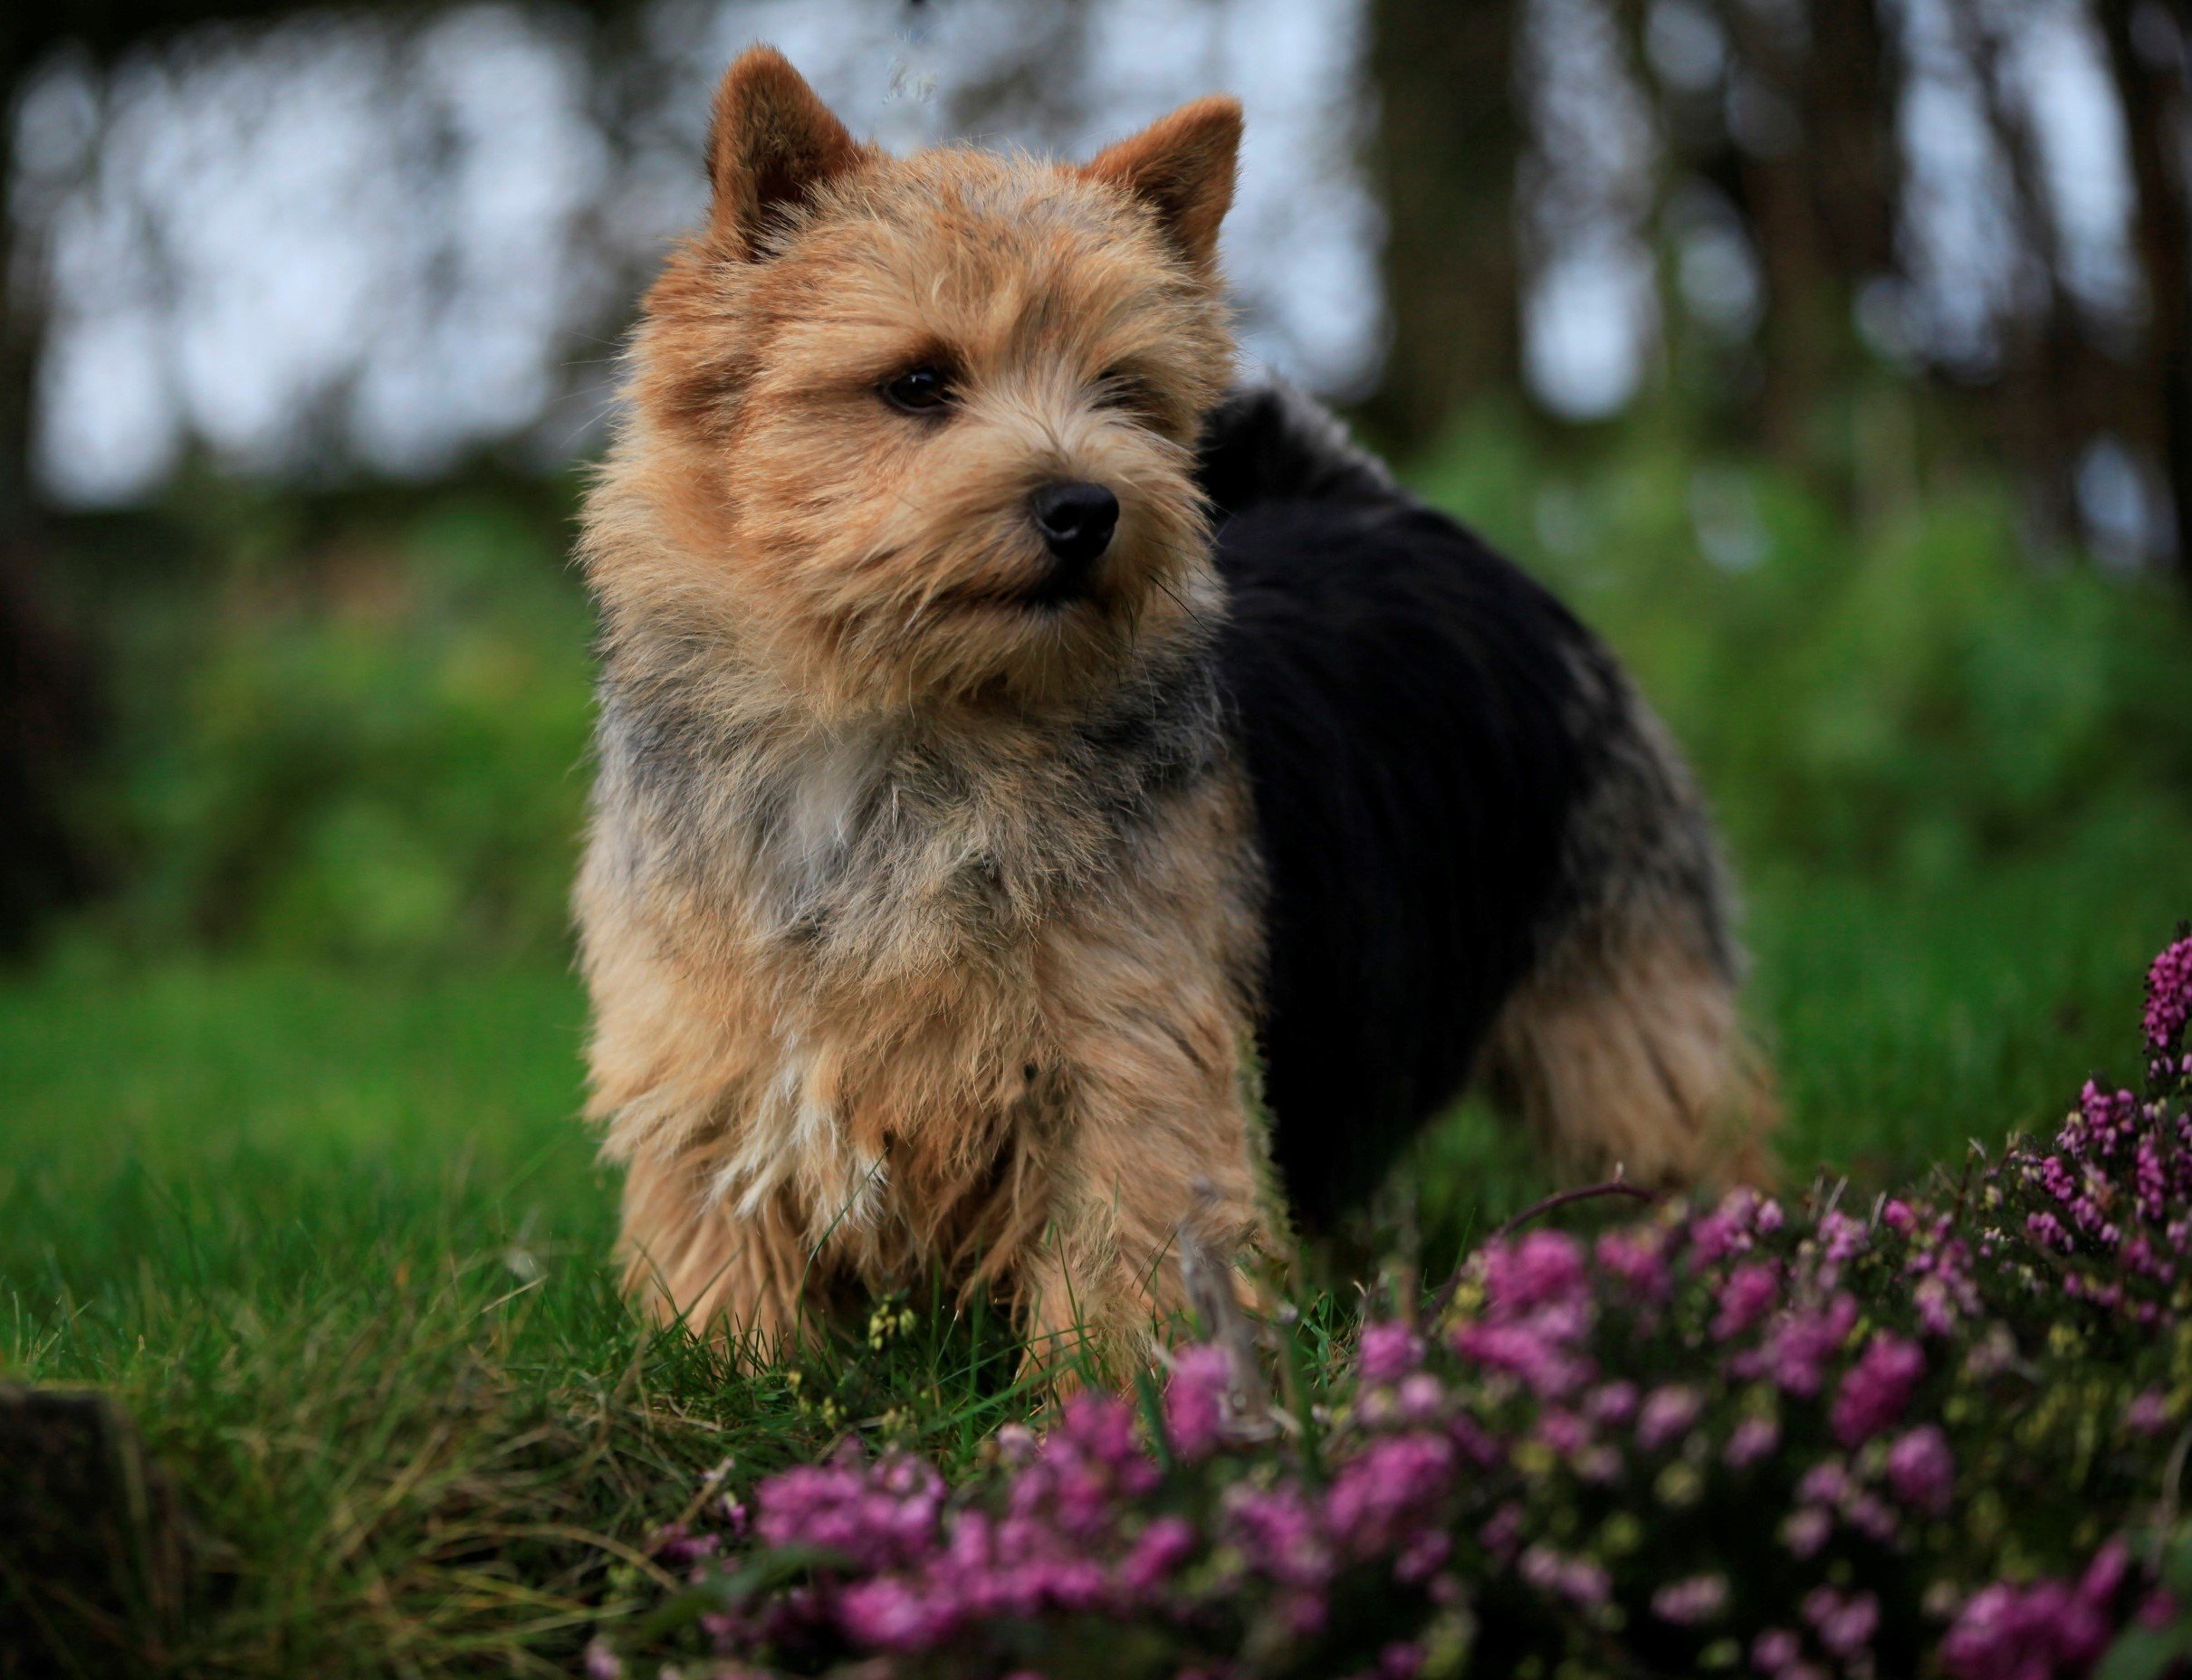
1180, 167
771, 145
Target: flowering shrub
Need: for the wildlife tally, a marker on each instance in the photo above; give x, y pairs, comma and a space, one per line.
1937, 1436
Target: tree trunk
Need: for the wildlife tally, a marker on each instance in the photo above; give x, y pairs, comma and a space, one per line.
1447, 140
45, 689
2156, 108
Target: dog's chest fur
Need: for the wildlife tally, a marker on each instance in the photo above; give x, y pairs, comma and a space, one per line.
880, 924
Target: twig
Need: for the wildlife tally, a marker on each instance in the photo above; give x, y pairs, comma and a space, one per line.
1615, 1186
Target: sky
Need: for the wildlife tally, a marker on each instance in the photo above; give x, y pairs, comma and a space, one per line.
340, 240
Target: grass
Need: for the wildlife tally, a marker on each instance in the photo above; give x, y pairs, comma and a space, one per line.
337, 1243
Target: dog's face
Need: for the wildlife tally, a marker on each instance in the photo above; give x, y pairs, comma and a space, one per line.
921, 431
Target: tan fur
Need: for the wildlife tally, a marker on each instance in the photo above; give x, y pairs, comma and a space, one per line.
884, 982
1623, 1052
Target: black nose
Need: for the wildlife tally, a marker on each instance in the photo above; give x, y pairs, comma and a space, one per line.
1076, 520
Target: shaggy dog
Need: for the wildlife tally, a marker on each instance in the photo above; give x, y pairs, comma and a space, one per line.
1018, 747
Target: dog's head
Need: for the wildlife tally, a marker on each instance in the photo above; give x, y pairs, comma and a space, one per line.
921, 430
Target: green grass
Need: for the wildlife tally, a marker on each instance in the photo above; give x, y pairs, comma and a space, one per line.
337, 1242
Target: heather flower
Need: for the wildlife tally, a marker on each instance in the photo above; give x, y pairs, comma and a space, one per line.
1922, 1471
2169, 999
1698, 1599
1798, 1347
887, 1614
1752, 1439
1580, 1580
1844, 1622
1637, 1257
2035, 1632
1747, 1296
1666, 1413
1195, 1400
1383, 1495
1516, 1475
1804, 1531
1545, 1268
1389, 1352
1877, 1388
2146, 1412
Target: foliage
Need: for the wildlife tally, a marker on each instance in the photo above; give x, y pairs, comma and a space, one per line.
360, 732
357, 740
1935, 1438
1905, 695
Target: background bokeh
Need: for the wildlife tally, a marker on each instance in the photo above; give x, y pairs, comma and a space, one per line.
1830, 355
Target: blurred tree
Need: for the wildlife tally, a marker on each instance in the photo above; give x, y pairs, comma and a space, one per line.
1792, 128
1449, 136
2147, 59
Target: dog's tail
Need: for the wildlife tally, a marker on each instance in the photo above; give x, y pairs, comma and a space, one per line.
1621, 1048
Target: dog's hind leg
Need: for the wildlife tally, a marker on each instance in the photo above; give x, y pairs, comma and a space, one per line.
1623, 1052
1621, 1046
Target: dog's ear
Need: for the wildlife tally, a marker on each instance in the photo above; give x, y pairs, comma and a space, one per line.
1181, 167
772, 143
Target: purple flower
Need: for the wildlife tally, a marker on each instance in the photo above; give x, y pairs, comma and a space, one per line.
1796, 1350
1545, 1268
1805, 1530
1698, 1599
1580, 1580
1637, 1257
1752, 1439
1195, 1400
1389, 1352
1774, 1651
1388, 1491
1612, 1403
2146, 1412
1158, 1551
1922, 1471
1844, 1622
880, 1516
2168, 997
885, 1613
1875, 1391
1668, 1411
1748, 1295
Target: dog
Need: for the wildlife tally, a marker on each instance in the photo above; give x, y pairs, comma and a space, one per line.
1055, 806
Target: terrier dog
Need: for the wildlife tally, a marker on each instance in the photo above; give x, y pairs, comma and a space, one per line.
1017, 746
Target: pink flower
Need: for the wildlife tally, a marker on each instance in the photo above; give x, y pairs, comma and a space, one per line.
2146, 1412
1545, 1268
1698, 1599
1752, 1439
2168, 997
1845, 1623
885, 1613
1580, 1580
1389, 1353
1195, 1401
1389, 1491
1922, 1471
1796, 1350
1748, 1295
1637, 1258
1875, 1390
1668, 1411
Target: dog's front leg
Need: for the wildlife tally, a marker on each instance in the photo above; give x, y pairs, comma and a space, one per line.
746, 1280
1155, 1141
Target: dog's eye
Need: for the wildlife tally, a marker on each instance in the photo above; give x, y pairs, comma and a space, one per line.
918, 390
1128, 391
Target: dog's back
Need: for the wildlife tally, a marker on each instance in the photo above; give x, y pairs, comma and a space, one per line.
1482, 852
